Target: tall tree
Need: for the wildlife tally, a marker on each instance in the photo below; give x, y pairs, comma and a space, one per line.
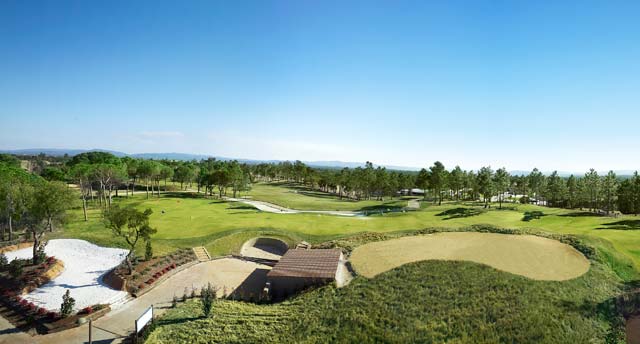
501, 183
609, 187
438, 180
131, 225
485, 184
592, 183
422, 181
536, 183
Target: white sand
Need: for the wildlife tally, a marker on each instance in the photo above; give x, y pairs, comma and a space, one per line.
84, 264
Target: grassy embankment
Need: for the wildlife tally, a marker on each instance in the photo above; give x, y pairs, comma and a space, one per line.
431, 301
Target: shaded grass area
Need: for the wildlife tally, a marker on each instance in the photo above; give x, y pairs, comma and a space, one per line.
624, 225
456, 213
432, 301
532, 215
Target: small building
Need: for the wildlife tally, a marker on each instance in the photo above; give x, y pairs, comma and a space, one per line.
299, 269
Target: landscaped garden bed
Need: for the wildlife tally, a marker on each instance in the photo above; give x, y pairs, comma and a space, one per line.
21, 276
146, 274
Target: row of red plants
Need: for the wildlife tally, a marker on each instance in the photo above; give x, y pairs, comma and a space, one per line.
38, 270
25, 307
157, 275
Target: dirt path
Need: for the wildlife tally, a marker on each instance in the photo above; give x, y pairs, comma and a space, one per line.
227, 272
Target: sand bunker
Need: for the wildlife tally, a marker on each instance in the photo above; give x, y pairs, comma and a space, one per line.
527, 255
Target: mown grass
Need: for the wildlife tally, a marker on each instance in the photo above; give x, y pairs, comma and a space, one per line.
190, 221
428, 302
293, 196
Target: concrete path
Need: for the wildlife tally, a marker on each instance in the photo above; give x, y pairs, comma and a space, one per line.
413, 204
227, 272
274, 208
633, 330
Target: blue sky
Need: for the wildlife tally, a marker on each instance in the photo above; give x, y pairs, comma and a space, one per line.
506, 83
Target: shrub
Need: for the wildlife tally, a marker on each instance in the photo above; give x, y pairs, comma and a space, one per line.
184, 295
193, 293
3, 261
87, 310
40, 255
174, 302
16, 268
41, 311
148, 251
66, 308
208, 295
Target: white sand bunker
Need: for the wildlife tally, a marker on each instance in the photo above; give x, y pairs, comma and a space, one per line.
84, 264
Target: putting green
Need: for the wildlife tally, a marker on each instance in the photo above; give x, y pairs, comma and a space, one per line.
526, 255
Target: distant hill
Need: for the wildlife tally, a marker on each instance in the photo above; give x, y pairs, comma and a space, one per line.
320, 164
188, 157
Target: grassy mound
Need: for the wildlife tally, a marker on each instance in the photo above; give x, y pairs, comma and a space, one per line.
526, 255
431, 301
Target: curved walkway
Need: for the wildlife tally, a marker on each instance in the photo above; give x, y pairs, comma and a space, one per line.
226, 273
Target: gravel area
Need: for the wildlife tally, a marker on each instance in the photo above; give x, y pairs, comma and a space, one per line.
84, 264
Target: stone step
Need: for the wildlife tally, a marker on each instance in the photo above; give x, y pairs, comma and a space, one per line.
119, 301
201, 253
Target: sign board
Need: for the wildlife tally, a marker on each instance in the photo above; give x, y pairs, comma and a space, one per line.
144, 319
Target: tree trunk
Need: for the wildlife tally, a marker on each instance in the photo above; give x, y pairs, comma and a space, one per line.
84, 207
147, 184
10, 227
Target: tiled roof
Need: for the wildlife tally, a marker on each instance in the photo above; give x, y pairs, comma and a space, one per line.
307, 263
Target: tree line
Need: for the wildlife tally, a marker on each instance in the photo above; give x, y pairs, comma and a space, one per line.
101, 175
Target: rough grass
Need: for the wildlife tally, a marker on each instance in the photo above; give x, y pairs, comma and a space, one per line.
428, 302
190, 221
526, 255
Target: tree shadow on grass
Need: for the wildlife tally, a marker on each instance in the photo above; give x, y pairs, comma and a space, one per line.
162, 321
581, 214
623, 225
242, 207
384, 207
532, 215
457, 213
172, 194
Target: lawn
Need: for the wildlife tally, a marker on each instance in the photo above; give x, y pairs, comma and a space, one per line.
428, 302
221, 226
294, 196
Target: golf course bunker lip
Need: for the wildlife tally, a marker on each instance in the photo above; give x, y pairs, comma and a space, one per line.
530, 256
264, 247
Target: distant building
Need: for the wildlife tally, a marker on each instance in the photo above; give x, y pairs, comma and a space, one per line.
300, 268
